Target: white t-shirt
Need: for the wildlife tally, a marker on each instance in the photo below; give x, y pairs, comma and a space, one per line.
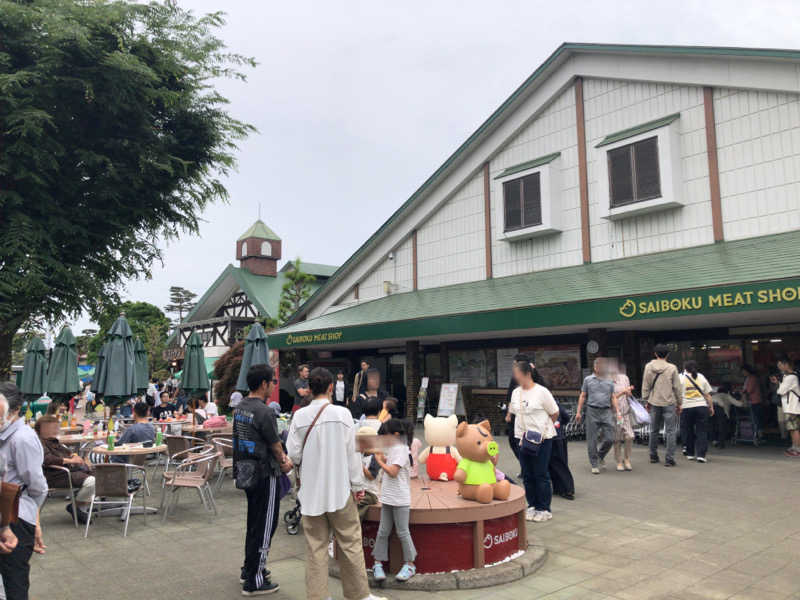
396, 491
372, 485
533, 408
339, 394
211, 409
788, 391
691, 397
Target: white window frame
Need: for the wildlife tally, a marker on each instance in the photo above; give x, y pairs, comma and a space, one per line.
549, 192
669, 171
266, 249
244, 249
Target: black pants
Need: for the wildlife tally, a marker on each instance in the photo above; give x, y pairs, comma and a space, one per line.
263, 507
696, 429
560, 475
15, 567
512, 440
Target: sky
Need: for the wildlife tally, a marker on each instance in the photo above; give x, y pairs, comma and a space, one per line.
357, 103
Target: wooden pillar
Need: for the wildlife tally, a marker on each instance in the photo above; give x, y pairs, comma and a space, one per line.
487, 218
412, 378
713, 164
583, 174
414, 260
478, 554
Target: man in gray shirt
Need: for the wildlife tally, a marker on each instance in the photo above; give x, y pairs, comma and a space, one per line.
21, 453
597, 393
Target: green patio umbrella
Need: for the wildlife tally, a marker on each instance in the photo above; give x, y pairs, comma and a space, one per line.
99, 371
34, 371
256, 352
62, 378
119, 383
142, 368
194, 378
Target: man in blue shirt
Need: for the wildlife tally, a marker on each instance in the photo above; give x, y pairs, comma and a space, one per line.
140, 431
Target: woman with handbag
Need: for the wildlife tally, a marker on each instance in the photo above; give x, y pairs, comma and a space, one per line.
536, 411
623, 432
698, 407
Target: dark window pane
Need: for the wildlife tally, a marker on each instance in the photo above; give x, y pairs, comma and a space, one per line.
620, 175
648, 182
532, 200
511, 197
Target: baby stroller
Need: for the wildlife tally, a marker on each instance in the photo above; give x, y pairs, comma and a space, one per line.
291, 518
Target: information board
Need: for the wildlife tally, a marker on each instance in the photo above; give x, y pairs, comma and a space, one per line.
450, 402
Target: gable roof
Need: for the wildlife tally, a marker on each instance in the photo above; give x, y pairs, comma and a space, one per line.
555, 60
259, 230
581, 294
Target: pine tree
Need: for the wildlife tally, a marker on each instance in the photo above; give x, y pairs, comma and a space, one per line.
295, 291
112, 138
181, 302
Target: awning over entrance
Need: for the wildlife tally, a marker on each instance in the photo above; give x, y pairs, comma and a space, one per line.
755, 274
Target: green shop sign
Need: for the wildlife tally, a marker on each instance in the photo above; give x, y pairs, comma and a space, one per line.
723, 299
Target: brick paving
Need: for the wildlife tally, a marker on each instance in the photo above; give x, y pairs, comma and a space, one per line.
727, 529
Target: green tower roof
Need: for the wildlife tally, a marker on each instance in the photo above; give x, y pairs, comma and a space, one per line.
259, 230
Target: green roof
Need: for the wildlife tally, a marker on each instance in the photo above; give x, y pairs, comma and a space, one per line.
316, 269
637, 129
536, 162
552, 62
587, 293
259, 230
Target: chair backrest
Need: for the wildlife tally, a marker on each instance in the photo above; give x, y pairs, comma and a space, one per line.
176, 443
224, 446
110, 479
137, 459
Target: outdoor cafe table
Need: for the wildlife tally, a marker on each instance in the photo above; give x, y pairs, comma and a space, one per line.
70, 429
76, 439
199, 429
128, 450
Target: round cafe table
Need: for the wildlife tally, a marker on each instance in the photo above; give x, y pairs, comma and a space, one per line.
76, 439
70, 429
195, 429
128, 450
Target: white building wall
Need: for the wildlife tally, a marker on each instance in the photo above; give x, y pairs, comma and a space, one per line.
758, 146
553, 130
398, 271
613, 105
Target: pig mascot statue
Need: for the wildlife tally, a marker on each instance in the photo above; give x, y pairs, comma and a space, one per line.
440, 457
475, 473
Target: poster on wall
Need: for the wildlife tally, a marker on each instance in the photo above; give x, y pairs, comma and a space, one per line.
468, 367
505, 359
450, 402
559, 365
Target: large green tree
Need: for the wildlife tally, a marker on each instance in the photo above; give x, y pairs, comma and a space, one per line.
112, 139
295, 291
181, 301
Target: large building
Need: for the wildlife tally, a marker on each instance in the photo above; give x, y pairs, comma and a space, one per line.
242, 294
621, 196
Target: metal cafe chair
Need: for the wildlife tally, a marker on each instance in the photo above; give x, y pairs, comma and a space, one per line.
195, 472
224, 447
111, 481
68, 489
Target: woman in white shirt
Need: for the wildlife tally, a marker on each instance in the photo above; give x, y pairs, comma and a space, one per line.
697, 407
535, 410
789, 393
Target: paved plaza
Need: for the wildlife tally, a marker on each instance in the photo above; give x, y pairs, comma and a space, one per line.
727, 529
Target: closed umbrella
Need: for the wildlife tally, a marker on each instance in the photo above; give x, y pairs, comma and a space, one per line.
34, 371
119, 383
100, 371
256, 352
194, 378
62, 379
142, 368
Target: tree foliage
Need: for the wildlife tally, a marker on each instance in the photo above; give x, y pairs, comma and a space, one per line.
226, 372
181, 302
112, 139
295, 291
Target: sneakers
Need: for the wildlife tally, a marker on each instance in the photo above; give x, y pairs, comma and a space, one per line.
689, 457
377, 572
620, 467
406, 573
654, 458
83, 515
267, 587
792, 452
669, 462
530, 513
540, 516
595, 471
243, 575
628, 466
372, 597
701, 459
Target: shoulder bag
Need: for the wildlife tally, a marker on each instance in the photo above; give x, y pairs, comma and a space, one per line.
9, 502
531, 442
695, 386
308, 431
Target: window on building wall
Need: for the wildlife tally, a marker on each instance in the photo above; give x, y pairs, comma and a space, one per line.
244, 249
522, 199
633, 174
266, 249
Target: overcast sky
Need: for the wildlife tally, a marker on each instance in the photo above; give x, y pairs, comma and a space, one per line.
357, 103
